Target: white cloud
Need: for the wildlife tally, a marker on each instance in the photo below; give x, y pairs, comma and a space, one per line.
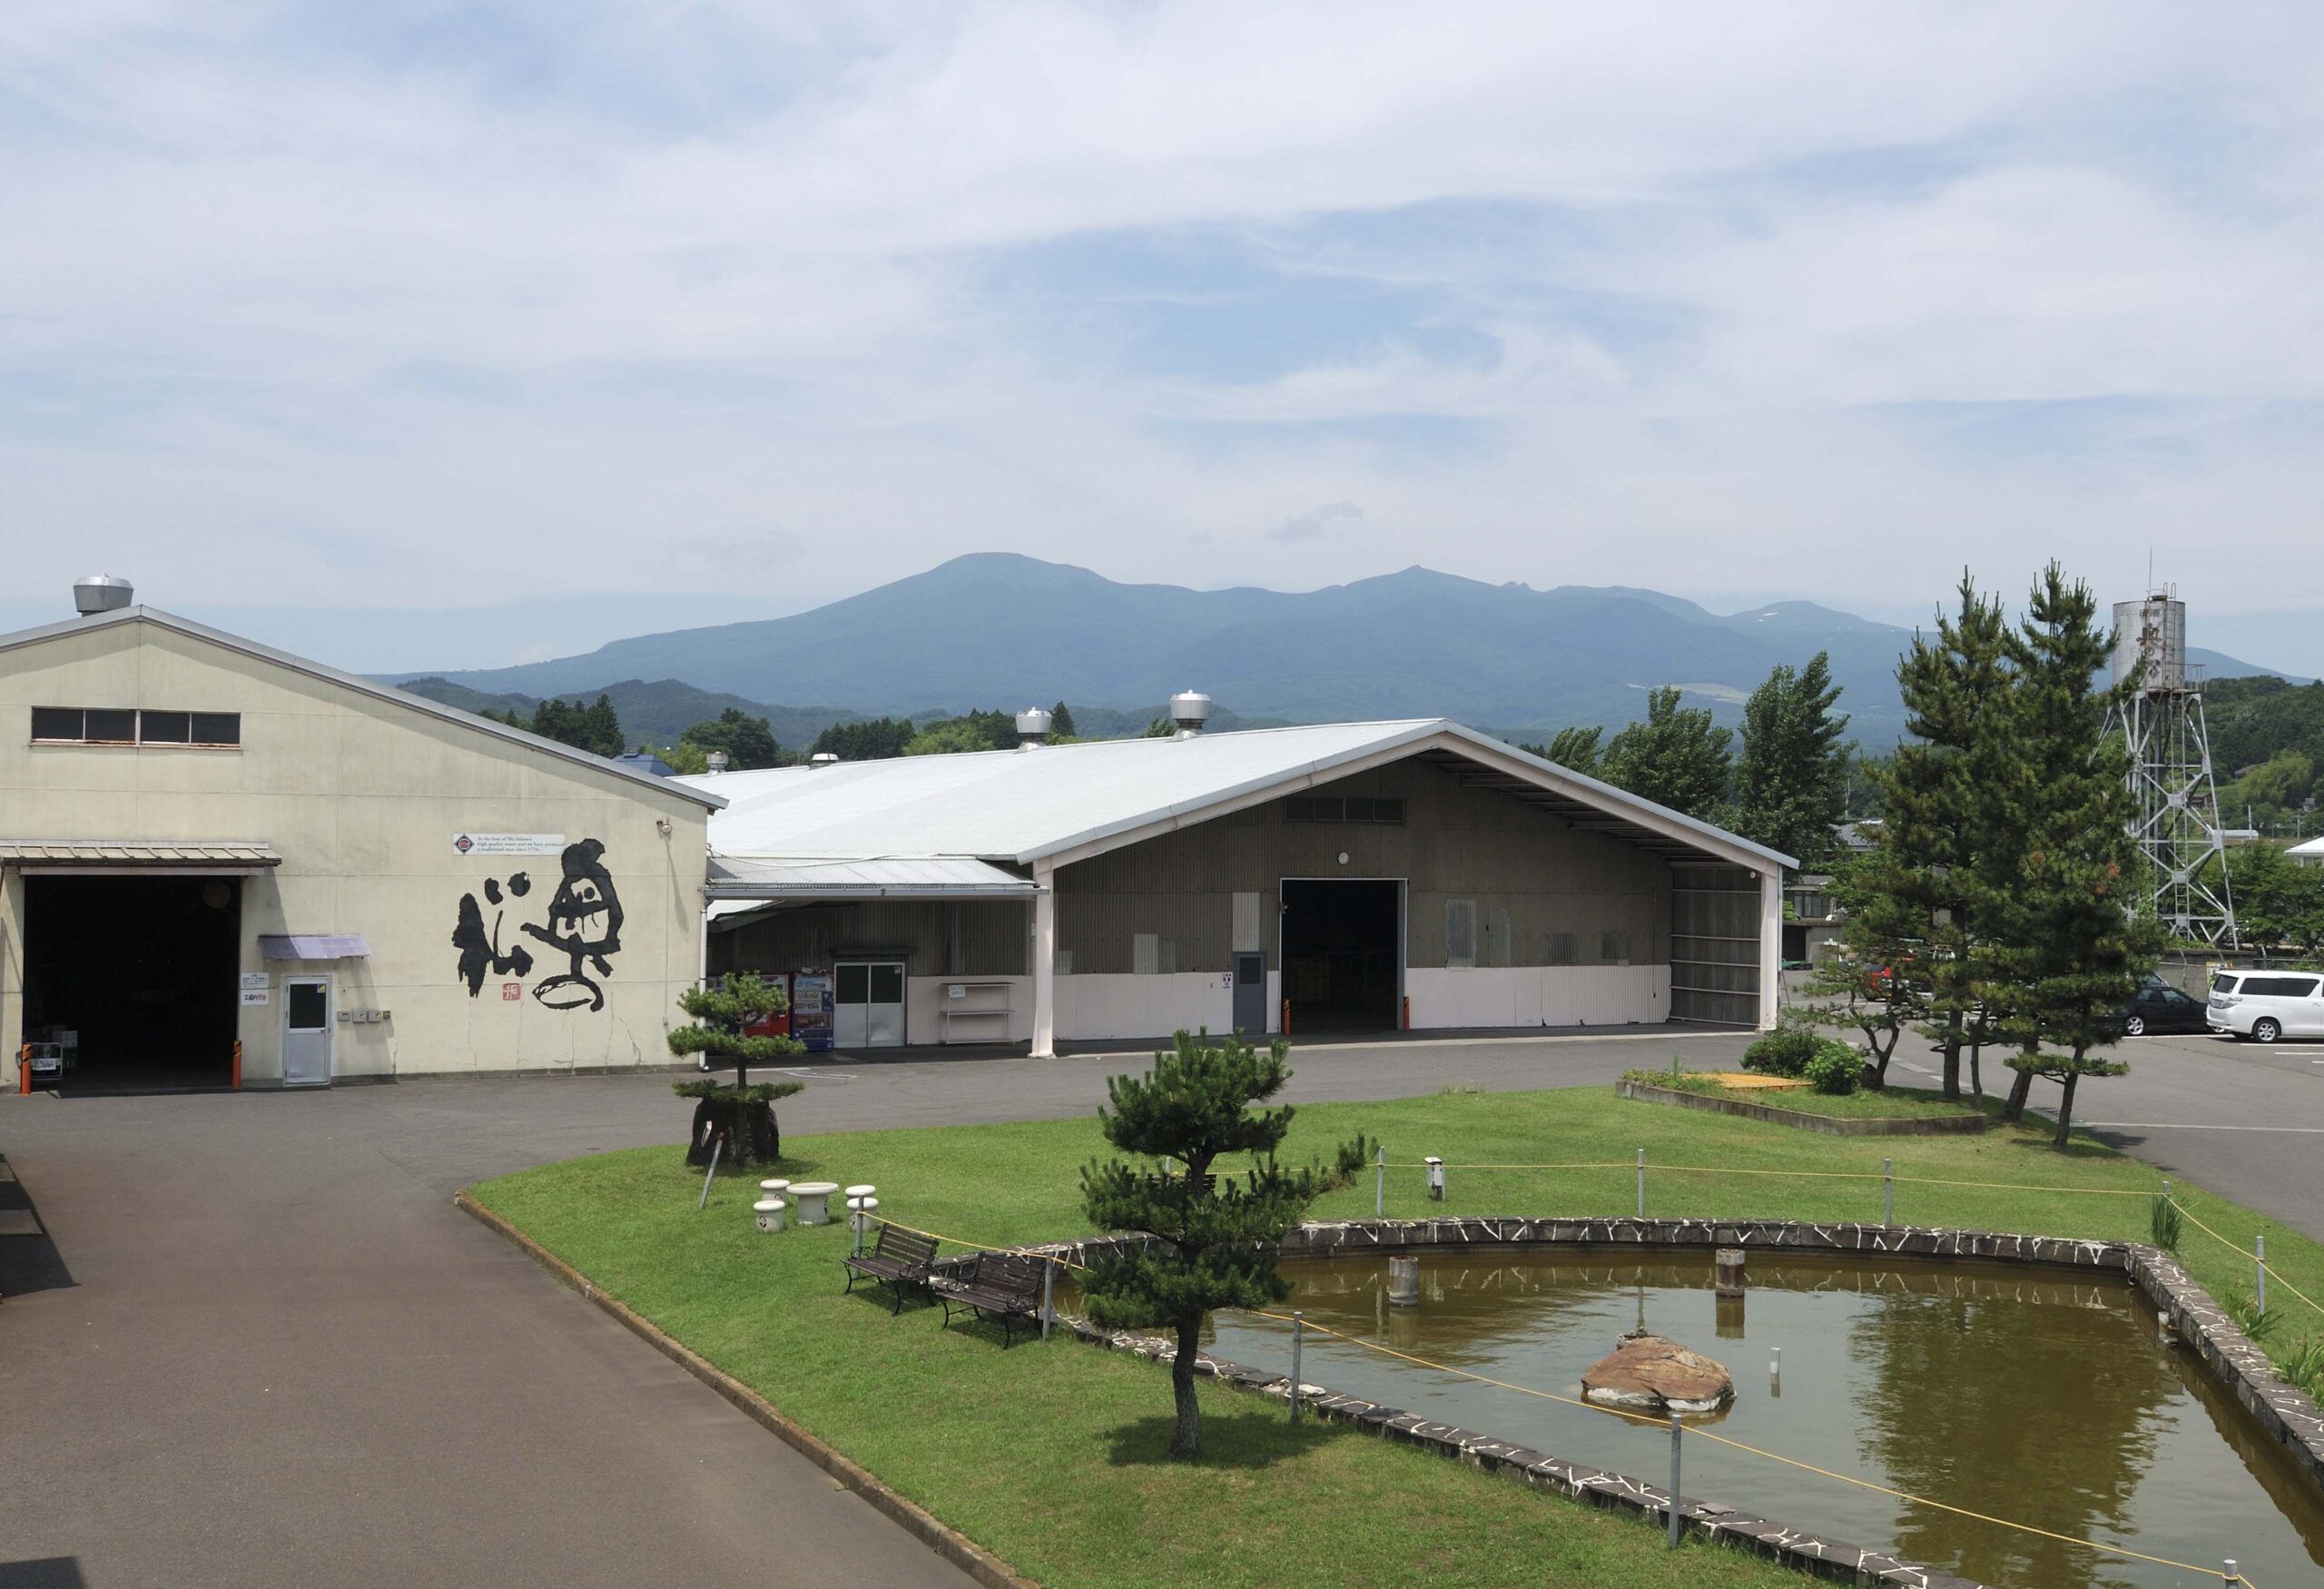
419, 306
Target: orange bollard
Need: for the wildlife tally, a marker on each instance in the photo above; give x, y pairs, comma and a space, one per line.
238, 1064
25, 1070
1408, 1011
1286, 1018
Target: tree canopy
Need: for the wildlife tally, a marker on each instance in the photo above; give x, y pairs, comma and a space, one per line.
1791, 779
748, 741
1678, 757
595, 728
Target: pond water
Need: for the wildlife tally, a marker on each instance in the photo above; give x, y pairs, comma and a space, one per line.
2029, 1395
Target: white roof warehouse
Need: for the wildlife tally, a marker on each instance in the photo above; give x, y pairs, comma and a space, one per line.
1347, 876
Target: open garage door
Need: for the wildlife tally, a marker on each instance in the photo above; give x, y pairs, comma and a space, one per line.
1343, 953
136, 976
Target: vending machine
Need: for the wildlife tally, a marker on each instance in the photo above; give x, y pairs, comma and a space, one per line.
810, 1010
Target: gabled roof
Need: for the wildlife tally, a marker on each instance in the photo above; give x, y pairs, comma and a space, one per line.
1062, 803
361, 685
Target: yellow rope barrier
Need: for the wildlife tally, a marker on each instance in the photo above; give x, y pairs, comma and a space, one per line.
1754, 1450
1058, 1258
2234, 1247
2101, 1191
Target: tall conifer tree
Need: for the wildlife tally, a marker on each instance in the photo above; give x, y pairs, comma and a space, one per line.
2069, 947
1939, 833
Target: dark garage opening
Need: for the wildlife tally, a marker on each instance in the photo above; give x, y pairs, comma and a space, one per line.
142, 970
1343, 954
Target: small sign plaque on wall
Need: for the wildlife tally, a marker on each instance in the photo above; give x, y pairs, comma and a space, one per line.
255, 984
507, 844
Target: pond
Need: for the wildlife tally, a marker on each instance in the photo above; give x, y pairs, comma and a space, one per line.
2037, 1396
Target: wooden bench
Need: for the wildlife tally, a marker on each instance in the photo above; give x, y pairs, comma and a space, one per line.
1001, 1286
899, 1259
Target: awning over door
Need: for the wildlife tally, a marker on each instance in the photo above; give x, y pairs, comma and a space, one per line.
313, 946
154, 857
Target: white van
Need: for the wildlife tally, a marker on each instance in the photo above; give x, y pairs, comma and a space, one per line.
2266, 1004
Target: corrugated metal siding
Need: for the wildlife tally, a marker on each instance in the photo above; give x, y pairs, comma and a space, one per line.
1554, 888
939, 938
1715, 946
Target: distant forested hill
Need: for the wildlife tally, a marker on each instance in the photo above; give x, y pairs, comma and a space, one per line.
651, 713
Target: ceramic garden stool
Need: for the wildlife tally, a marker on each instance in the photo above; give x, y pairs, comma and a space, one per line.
813, 1200
768, 1213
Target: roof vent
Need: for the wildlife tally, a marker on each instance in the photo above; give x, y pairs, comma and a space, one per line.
716, 760
1032, 727
822, 758
101, 593
1190, 709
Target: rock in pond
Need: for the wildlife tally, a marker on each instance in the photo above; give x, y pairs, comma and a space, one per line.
1647, 1373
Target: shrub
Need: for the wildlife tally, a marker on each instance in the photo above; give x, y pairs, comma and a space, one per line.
1786, 1050
2163, 1223
1835, 1067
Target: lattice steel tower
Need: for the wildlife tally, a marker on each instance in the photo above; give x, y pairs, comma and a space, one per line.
2177, 826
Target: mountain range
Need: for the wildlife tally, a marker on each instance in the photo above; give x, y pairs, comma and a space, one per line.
996, 629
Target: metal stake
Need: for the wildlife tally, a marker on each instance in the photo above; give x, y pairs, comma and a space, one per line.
2259, 1254
1048, 1279
1888, 1193
1674, 1481
1641, 1183
2233, 1577
1380, 1187
1298, 1329
717, 1146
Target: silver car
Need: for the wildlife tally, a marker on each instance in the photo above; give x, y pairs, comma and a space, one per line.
2266, 1005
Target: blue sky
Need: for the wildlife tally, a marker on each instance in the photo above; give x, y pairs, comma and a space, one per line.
431, 334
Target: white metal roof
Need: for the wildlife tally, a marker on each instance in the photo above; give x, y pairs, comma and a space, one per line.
357, 682
877, 877
1063, 802
2312, 847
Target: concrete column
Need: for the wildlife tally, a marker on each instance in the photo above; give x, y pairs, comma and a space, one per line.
1770, 947
1044, 953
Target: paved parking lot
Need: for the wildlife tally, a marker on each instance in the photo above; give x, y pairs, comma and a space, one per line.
274, 1354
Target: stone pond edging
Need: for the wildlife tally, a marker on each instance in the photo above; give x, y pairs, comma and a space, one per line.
2283, 1411
1800, 1119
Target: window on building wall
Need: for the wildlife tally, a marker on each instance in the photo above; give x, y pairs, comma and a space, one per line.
1151, 954
125, 725
1381, 809
1562, 950
1614, 946
1459, 933
1497, 935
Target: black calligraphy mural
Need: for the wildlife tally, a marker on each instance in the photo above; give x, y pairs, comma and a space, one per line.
583, 923
480, 950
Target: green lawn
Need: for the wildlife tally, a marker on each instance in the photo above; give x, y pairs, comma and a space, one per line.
1051, 1455
1890, 1103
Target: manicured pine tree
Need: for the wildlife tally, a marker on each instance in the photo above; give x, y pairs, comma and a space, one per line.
742, 1114
1939, 827
1856, 986
1678, 757
1791, 780
1214, 1236
2071, 945
600, 728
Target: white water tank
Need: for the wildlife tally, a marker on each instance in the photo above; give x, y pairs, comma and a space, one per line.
2153, 633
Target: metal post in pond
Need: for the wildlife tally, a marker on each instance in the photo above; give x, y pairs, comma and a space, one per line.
1435, 1178
1298, 1329
2232, 1578
717, 1145
1380, 1187
1641, 1183
1049, 1283
1674, 1481
2260, 1258
1887, 1192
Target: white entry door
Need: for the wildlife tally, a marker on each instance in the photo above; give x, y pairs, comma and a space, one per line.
868, 1004
306, 1031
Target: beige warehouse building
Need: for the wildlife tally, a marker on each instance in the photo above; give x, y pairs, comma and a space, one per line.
221, 864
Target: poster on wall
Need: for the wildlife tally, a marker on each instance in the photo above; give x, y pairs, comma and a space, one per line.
507, 844
255, 985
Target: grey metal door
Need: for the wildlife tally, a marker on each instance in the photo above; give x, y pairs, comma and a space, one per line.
1250, 994
868, 1010
306, 1031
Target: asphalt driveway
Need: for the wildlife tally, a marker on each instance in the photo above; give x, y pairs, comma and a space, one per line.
265, 1348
